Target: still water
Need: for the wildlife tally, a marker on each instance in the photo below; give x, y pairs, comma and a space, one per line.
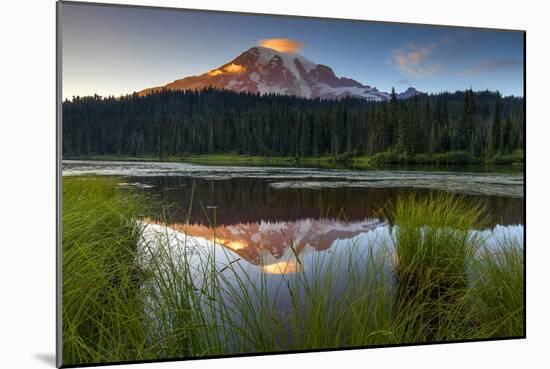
260, 213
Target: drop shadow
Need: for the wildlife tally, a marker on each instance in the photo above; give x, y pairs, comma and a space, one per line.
46, 358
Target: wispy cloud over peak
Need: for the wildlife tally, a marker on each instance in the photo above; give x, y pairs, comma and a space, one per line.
286, 45
415, 60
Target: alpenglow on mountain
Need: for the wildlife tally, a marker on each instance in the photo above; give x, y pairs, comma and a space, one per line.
267, 71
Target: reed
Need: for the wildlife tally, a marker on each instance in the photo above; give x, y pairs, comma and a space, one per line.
434, 243
102, 305
134, 291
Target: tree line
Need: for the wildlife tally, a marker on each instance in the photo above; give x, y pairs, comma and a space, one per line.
178, 123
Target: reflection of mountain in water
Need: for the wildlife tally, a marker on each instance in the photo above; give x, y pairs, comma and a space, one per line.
267, 242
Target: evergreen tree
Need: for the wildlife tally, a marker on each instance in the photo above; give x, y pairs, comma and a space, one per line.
403, 136
305, 139
507, 136
393, 121
495, 128
465, 135
177, 123
416, 133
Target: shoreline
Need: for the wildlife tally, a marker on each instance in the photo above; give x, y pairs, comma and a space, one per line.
327, 162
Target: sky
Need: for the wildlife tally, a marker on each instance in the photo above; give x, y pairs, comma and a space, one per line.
109, 50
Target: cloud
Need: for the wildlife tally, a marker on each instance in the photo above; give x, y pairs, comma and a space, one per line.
282, 44
487, 66
415, 60
403, 82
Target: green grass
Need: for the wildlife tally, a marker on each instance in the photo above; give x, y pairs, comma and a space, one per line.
126, 299
434, 244
102, 309
110, 298
498, 291
328, 161
515, 158
235, 159
447, 158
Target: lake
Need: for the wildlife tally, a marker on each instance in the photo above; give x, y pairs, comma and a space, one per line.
277, 237
258, 212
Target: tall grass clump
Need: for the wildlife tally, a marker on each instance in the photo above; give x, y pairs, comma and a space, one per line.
434, 243
182, 297
498, 290
102, 307
136, 289
318, 301
128, 294
345, 302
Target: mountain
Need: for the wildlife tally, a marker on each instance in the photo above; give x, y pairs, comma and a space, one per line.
269, 241
264, 70
410, 92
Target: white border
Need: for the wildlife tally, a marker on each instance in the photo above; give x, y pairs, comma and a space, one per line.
27, 188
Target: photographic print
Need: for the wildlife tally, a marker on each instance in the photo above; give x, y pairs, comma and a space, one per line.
239, 184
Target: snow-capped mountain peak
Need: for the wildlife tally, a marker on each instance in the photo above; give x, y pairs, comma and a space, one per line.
265, 55
268, 71
408, 93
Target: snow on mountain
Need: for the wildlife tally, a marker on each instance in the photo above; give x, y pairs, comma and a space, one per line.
267, 71
259, 242
410, 92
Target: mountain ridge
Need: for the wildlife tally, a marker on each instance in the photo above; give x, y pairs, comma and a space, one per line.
268, 71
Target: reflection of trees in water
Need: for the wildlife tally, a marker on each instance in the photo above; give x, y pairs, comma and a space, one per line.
505, 210
246, 200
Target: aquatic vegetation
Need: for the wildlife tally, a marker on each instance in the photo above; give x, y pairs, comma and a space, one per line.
102, 306
133, 290
502, 184
434, 244
498, 292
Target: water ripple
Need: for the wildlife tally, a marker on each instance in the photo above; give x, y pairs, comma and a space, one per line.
497, 184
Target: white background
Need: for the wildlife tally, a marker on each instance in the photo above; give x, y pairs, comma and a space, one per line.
27, 182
